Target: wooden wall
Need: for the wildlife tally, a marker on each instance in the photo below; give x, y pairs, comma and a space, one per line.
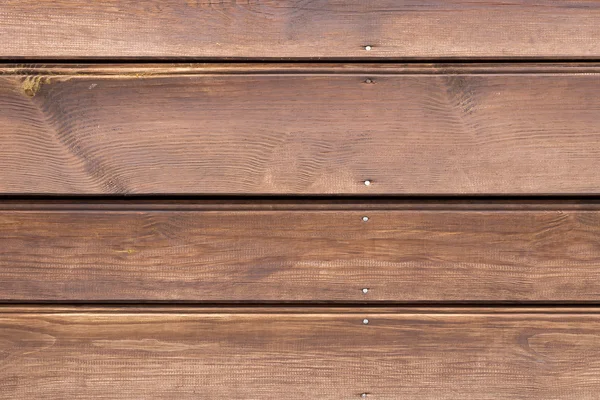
300, 199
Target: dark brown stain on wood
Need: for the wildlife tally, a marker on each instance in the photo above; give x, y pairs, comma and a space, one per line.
299, 354
247, 296
301, 29
321, 130
318, 255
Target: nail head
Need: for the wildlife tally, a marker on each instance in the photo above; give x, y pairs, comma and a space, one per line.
368, 80
364, 395
365, 321
367, 183
365, 219
368, 48
365, 290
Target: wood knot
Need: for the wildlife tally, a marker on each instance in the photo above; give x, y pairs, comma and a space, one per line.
33, 84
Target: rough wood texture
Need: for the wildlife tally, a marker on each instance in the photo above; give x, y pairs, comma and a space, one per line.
274, 253
272, 129
300, 29
300, 354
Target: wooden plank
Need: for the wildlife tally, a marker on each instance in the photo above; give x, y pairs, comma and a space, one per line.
297, 252
300, 29
299, 354
295, 129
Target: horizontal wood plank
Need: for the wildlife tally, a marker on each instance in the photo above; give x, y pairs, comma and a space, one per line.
300, 29
299, 354
293, 129
273, 253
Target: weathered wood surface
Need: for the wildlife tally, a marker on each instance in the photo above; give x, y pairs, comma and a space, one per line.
299, 353
289, 129
300, 29
270, 252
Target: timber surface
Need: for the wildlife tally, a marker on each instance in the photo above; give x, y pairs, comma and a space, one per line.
300, 129
300, 29
479, 354
411, 252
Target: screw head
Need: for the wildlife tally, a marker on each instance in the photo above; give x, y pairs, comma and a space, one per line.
365, 290
365, 219
365, 321
368, 48
367, 183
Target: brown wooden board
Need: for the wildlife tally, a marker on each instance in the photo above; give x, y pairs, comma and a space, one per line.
289, 129
300, 353
300, 29
435, 252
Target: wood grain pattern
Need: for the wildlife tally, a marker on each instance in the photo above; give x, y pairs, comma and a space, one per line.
299, 354
300, 130
299, 29
298, 252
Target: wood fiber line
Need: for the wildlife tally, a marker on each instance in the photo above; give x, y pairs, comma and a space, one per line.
304, 255
300, 134
153, 69
300, 29
299, 355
